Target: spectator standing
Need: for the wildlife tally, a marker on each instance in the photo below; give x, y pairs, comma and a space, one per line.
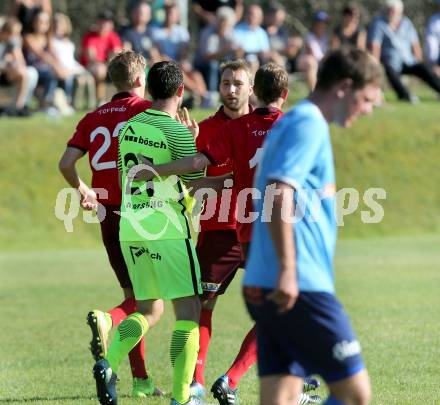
39, 53
64, 50
317, 41
98, 46
252, 37
349, 32
172, 40
432, 41
25, 9
13, 67
137, 35
393, 40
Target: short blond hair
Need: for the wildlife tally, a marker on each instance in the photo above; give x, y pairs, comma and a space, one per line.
125, 67
60, 18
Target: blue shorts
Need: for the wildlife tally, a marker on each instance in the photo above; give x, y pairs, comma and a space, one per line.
314, 337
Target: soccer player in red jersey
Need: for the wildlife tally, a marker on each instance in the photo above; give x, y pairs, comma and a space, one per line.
239, 143
97, 135
218, 249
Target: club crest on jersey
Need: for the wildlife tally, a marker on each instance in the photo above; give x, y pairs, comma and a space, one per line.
146, 141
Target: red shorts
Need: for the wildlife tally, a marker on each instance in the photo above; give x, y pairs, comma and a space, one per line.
219, 255
110, 237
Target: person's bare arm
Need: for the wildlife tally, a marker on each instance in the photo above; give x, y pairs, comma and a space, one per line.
282, 235
17, 53
46, 56
206, 16
375, 49
335, 42
188, 164
67, 167
239, 9
362, 40
46, 5
417, 51
216, 183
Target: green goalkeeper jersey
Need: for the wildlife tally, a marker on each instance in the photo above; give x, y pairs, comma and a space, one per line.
154, 210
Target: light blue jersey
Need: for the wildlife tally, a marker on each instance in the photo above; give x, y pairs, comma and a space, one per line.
298, 152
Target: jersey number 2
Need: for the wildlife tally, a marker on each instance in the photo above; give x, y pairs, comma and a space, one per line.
111, 164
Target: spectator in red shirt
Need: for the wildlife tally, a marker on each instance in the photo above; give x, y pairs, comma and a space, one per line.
98, 46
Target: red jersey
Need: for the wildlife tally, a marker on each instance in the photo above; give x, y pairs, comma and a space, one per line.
240, 142
209, 128
97, 134
103, 45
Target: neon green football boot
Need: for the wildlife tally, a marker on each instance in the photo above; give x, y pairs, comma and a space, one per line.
100, 324
144, 387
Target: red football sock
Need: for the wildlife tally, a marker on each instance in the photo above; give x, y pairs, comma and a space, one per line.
137, 360
247, 356
205, 329
124, 309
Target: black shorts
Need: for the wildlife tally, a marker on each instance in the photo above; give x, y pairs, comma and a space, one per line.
110, 237
219, 255
314, 337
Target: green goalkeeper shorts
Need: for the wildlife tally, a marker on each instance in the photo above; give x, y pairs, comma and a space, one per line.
165, 269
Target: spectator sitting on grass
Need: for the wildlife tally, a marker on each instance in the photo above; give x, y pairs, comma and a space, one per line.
98, 46
275, 17
349, 32
39, 53
24, 10
393, 40
252, 38
137, 35
172, 40
317, 41
13, 67
217, 44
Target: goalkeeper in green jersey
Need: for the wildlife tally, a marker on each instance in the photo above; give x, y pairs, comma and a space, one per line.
155, 236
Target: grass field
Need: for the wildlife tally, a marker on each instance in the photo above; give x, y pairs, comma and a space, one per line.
389, 287
387, 274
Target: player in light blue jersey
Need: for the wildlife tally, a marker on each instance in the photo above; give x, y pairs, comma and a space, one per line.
302, 328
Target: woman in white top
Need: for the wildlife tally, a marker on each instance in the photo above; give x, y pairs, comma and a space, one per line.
64, 50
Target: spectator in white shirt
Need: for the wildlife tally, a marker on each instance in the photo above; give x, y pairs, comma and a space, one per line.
64, 50
317, 41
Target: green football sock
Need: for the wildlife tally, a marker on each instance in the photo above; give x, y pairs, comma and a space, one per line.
183, 353
128, 334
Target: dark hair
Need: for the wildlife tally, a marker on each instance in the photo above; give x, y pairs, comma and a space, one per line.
270, 82
351, 9
125, 67
274, 7
164, 79
348, 63
234, 65
106, 15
